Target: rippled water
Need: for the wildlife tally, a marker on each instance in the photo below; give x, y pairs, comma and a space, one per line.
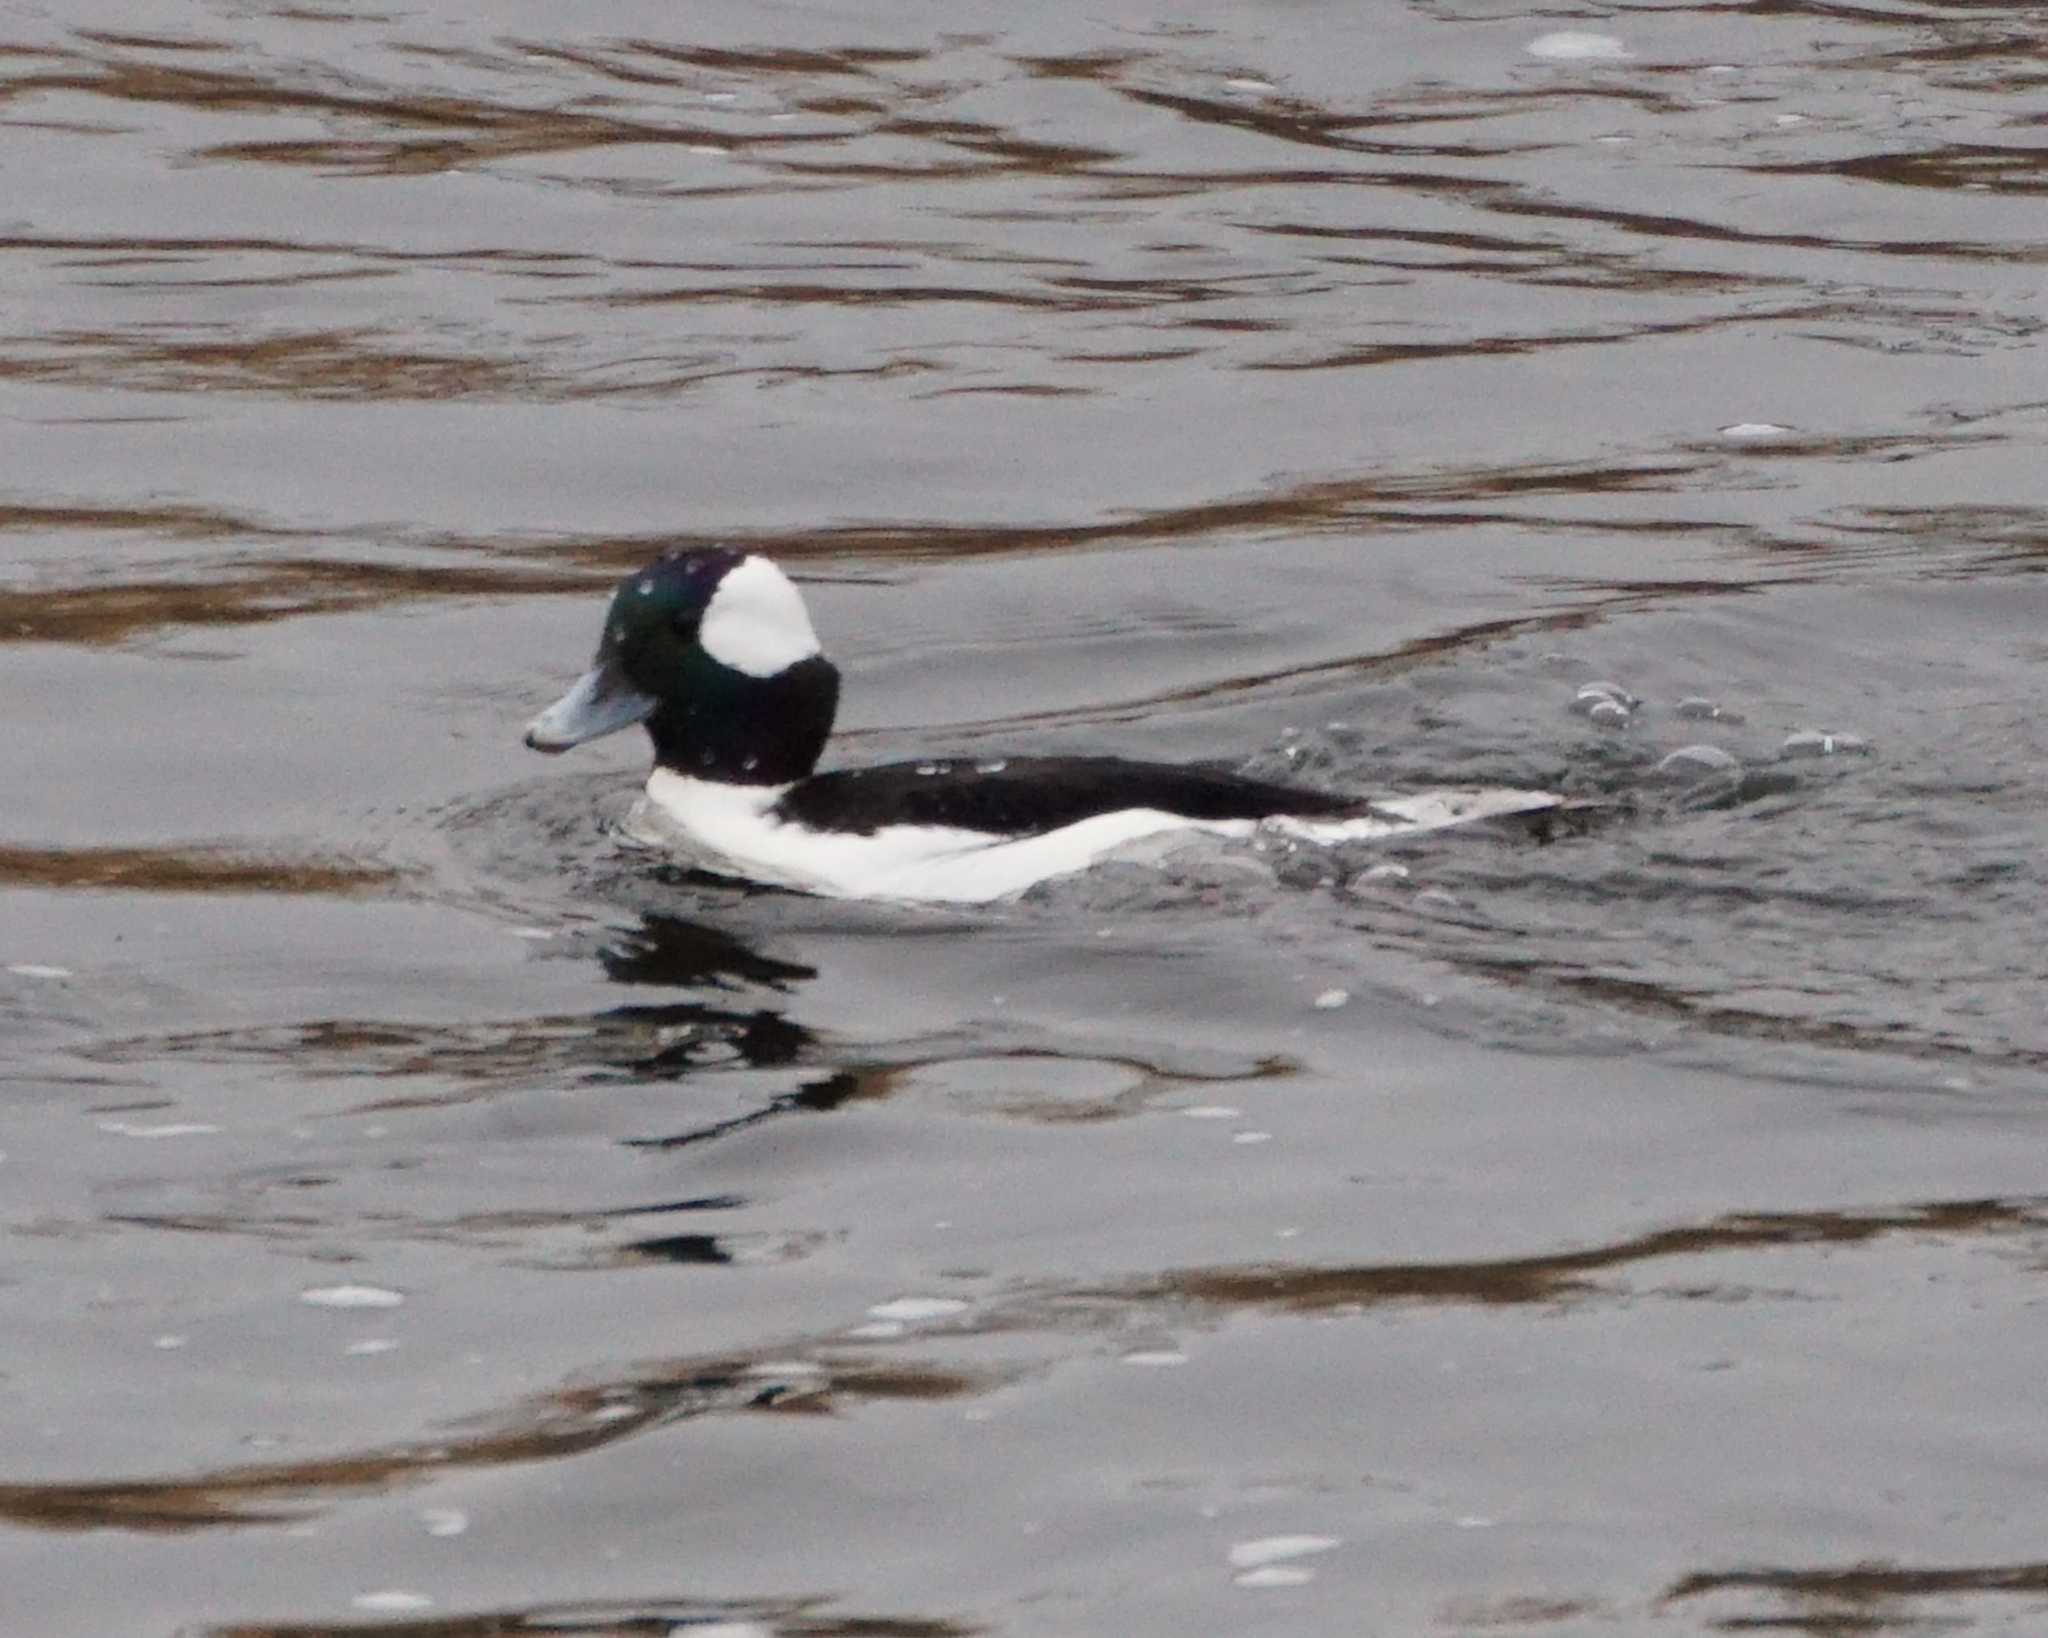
427, 1218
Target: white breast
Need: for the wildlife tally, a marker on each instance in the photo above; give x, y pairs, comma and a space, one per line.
730, 830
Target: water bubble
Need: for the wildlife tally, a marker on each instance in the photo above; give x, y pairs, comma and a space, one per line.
1607, 703
1435, 898
351, 1296
1155, 1357
1755, 429
927, 769
1263, 1550
1331, 1000
992, 767
1574, 46
1275, 1575
1694, 761
911, 1309
37, 969
168, 1129
1812, 742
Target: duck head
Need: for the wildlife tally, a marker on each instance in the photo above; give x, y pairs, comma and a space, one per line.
714, 652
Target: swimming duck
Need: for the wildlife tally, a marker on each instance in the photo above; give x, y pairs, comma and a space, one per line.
714, 652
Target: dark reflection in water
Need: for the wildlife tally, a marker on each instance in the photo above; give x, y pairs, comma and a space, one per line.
815, 1097
639, 1042
1874, 1597
679, 1248
643, 1043
679, 954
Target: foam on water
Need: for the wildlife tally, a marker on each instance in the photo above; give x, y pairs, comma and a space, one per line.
351, 1296
1572, 46
913, 1310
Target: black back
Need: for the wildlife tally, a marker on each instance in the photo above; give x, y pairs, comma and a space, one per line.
1027, 796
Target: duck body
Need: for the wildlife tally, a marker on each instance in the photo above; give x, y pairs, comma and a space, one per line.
714, 652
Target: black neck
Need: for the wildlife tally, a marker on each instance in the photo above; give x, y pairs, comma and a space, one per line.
745, 730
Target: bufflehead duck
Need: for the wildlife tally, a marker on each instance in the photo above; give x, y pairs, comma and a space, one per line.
714, 652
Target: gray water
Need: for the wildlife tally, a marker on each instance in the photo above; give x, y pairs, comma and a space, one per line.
426, 1217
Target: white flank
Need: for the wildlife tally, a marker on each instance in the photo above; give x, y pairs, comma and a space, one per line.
756, 622
730, 830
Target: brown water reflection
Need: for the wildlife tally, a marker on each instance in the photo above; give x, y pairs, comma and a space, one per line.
662, 1618
278, 589
468, 131
1861, 1597
185, 870
556, 1426
1563, 1275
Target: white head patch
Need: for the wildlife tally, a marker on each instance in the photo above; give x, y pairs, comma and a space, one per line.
756, 622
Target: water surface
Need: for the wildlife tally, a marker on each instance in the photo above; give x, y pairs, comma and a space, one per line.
427, 1218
